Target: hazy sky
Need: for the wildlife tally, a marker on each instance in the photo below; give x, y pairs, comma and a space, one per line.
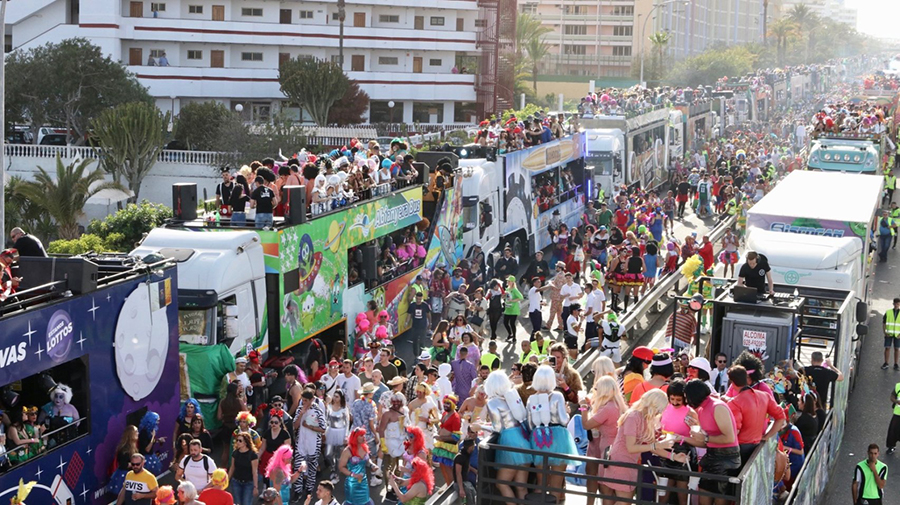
877, 17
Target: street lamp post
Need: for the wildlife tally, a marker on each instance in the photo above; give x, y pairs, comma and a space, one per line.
391, 107
644, 29
3, 124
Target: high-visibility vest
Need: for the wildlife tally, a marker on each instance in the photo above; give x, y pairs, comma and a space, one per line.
895, 214
870, 490
897, 394
890, 225
890, 181
891, 324
732, 207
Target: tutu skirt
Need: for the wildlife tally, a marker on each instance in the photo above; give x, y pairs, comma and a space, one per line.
630, 279
561, 442
444, 452
729, 258
153, 464
116, 481
513, 437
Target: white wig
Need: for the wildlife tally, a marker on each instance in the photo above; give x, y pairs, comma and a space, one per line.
497, 384
544, 380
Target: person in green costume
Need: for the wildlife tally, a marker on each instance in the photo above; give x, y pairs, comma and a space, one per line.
513, 297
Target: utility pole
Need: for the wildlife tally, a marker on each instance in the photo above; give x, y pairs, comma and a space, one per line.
765, 19
3, 125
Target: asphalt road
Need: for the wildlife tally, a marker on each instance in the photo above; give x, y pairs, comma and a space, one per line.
869, 408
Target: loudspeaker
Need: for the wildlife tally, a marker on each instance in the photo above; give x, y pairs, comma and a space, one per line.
80, 274
370, 262
184, 201
424, 172
688, 95
294, 204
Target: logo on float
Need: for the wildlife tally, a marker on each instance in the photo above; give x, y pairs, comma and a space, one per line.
60, 335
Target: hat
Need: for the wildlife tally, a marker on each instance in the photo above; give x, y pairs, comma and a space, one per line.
701, 364
424, 356
396, 381
269, 495
367, 389
560, 264
477, 244
384, 313
334, 362
643, 353
241, 360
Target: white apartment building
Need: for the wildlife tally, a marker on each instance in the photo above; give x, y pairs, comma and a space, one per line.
420, 56
697, 25
588, 37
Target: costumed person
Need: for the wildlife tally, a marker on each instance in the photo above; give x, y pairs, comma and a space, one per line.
336, 432
444, 386
62, 413
363, 336
147, 442
692, 269
413, 447
508, 416
392, 433
419, 487
278, 471
310, 427
446, 445
353, 464
128, 445
165, 496
423, 413
548, 418
189, 408
22, 492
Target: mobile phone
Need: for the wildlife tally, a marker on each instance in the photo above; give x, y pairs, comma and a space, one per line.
552, 360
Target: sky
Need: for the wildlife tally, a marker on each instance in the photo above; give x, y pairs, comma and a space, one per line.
877, 17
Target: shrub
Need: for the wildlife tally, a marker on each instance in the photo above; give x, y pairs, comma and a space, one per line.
120, 231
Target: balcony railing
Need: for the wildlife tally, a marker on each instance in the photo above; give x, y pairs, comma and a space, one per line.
87, 152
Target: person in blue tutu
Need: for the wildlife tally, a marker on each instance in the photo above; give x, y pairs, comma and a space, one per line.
548, 417
354, 464
127, 446
147, 441
507, 414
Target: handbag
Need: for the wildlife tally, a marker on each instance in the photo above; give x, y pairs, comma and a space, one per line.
476, 320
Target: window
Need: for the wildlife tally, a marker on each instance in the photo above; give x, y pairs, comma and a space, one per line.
623, 10
388, 60
389, 18
335, 16
195, 55
622, 31
576, 30
157, 7
575, 49
529, 8
481, 23
437, 21
195, 9
251, 11
251, 56
156, 53
575, 9
621, 50
309, 15
434, 62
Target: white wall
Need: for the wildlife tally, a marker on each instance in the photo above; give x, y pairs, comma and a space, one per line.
37, 23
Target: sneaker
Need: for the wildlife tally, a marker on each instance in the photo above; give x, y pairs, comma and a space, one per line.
884, 366
896, 367
890, 450
375, 482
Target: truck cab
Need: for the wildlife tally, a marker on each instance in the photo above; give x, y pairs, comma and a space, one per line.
845, 152
605, 155
222, 290
482, 186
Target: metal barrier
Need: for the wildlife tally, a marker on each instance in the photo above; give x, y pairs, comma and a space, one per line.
538, 489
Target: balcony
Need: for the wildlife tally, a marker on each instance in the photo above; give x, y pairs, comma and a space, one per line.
312, 35
254, 83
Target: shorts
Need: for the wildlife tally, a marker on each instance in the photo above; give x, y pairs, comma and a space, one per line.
725, 461
670, 214
611, 350
571, 342
892, 342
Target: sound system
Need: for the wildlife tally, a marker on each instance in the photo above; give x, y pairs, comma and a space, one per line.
370, 262
424, 172
184, 201
80, 274
294, 204
688, 95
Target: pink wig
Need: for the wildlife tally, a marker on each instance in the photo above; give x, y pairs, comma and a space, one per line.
280, 460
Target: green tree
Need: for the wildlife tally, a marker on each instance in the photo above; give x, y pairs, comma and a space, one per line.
808, 22
198, 125
713, 64
131, 136
63, 197
537, 50
659, 41
784, 31
350, 108
529, 32
240, 143
120, 231
67, 84
26, 213
314, 85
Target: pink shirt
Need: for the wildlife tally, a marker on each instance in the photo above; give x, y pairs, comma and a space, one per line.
706, 414
759, 386
608, 417
632, 425
673, 420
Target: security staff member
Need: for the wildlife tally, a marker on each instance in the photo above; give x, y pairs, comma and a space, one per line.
869, 478
890, 182
891, 325
895, 216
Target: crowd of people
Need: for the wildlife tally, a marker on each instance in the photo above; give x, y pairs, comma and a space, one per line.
515, 134
331, 180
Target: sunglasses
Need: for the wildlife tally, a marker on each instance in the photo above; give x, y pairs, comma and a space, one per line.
136, 464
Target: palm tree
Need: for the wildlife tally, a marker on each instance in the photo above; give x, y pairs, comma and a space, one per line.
64, 197
783, 31
529, 34
807, 21
537, 51
659, 40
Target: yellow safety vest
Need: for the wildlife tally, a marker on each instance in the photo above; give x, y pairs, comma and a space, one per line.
890, 181
895, 214
891, 324
890, 225
897, 393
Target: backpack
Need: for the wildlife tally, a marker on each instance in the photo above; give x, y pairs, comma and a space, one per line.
613, 335
183, 462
